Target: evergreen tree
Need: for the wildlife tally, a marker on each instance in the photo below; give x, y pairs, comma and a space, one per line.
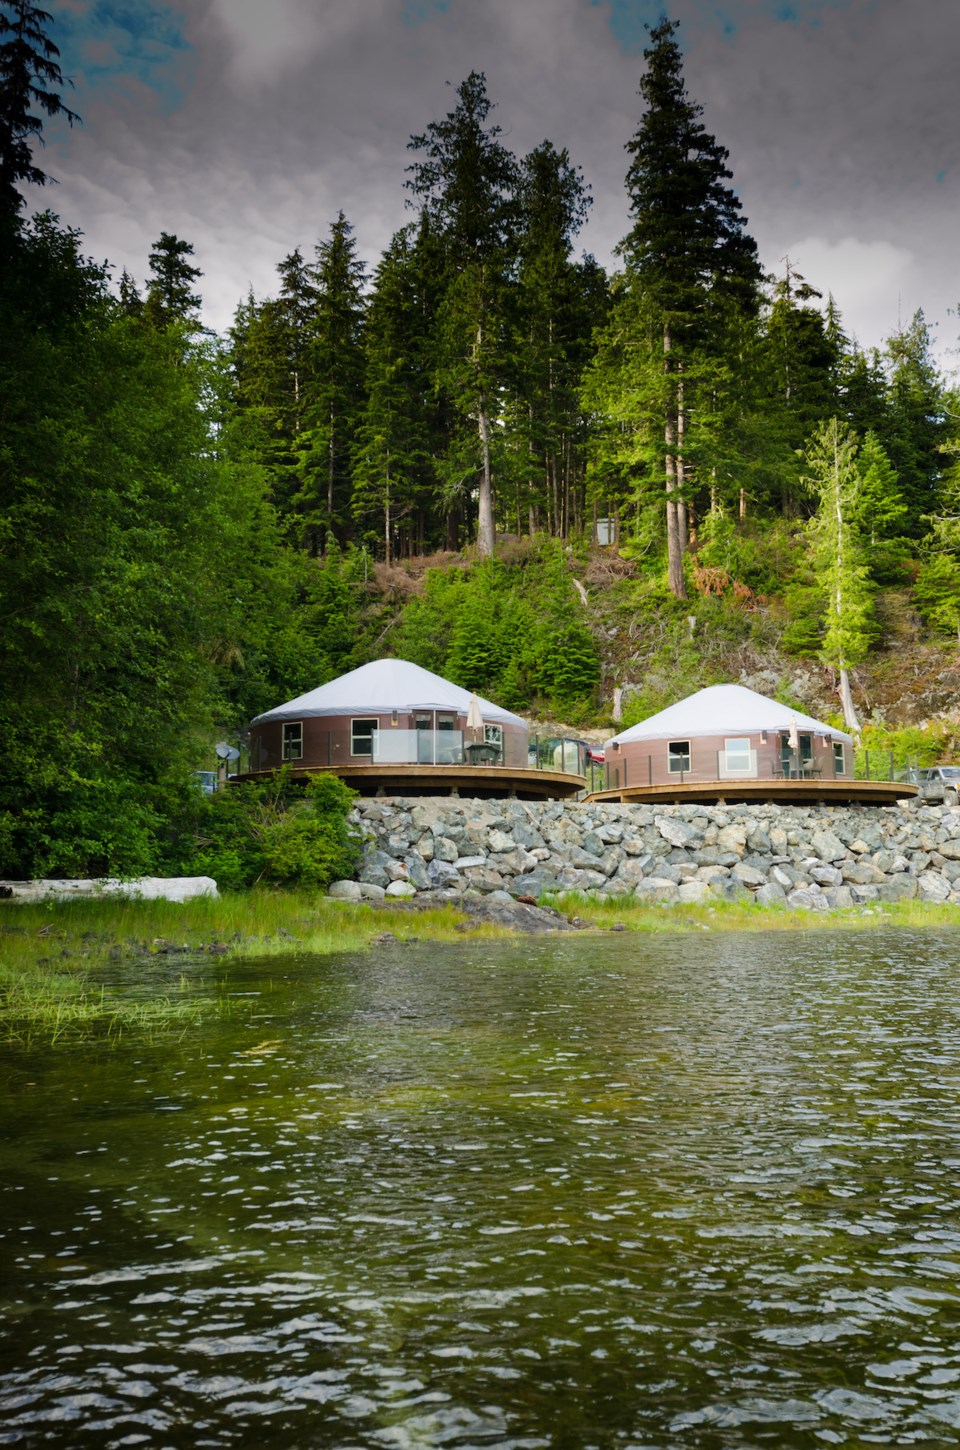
937, 589
881, 507
842, 576
556, 308
271, 357
130, 300
392, 473
169, 295
802, 348
260, 364
30, 81
916, 426
467, 182
687, 253
863, 392
568, 665
333, 411
297, 309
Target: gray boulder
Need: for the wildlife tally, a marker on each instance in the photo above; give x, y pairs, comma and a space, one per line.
345, 891
932, 887
417, 872
828, 846
694, 893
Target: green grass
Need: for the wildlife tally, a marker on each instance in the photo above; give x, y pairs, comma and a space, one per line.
749, 916
59, 960
55, 956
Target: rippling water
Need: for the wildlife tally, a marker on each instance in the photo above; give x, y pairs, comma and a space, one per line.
698, 1191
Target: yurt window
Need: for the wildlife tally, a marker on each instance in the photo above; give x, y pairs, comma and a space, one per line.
678, 756
493, 735
839, 764
363, 734
737, 753
293, 740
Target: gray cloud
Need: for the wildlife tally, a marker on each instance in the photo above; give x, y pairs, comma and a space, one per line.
288, 112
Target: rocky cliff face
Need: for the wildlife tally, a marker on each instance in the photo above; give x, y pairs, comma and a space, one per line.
813, 858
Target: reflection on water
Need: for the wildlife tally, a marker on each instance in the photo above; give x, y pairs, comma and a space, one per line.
697, 1191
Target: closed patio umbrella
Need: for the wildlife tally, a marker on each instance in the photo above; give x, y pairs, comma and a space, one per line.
474, 719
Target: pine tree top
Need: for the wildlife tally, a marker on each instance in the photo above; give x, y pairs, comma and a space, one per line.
688, 235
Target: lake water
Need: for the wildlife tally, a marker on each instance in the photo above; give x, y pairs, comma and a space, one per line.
594, 1191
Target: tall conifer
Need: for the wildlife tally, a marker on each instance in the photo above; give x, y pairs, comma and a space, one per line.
170, 297
466, 182
687, 252
333, 413
30, 81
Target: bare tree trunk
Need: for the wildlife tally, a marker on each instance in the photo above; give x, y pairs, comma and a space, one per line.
386, 520
683, 525
531, 492
674, 542
331, 469
846, 699
486, 534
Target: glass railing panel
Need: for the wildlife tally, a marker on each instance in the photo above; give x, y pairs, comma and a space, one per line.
418, 747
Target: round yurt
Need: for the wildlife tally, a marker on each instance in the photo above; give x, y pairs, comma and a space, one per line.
389, 712
727, 733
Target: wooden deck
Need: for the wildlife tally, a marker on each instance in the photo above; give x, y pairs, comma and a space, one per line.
781, 792
485, 782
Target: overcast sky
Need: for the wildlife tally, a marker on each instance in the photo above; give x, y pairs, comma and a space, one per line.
245, 125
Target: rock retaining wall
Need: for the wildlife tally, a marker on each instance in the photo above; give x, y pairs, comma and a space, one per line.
815, 858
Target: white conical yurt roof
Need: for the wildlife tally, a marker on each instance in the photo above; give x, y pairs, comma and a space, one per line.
724, 710
381, 687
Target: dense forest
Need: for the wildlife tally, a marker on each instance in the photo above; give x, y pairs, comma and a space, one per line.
480, 452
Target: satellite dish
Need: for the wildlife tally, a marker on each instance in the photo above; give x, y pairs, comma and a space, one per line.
227, 752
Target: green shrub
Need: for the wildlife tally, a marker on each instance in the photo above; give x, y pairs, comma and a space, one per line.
81, 827
279, 832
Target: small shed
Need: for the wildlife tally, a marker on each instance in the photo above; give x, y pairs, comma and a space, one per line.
727, 733
389, 712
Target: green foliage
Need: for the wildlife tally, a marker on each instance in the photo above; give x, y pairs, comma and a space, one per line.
145, 596
73, 826
841, 574
915, 427
805, 604
515, 632
759, 555
325, 445
905, 746
880, 507
276, 832
937, 592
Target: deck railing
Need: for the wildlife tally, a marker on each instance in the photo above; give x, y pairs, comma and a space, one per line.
867, 765
458, 747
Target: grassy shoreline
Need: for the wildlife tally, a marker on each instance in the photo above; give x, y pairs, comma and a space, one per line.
59, 961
